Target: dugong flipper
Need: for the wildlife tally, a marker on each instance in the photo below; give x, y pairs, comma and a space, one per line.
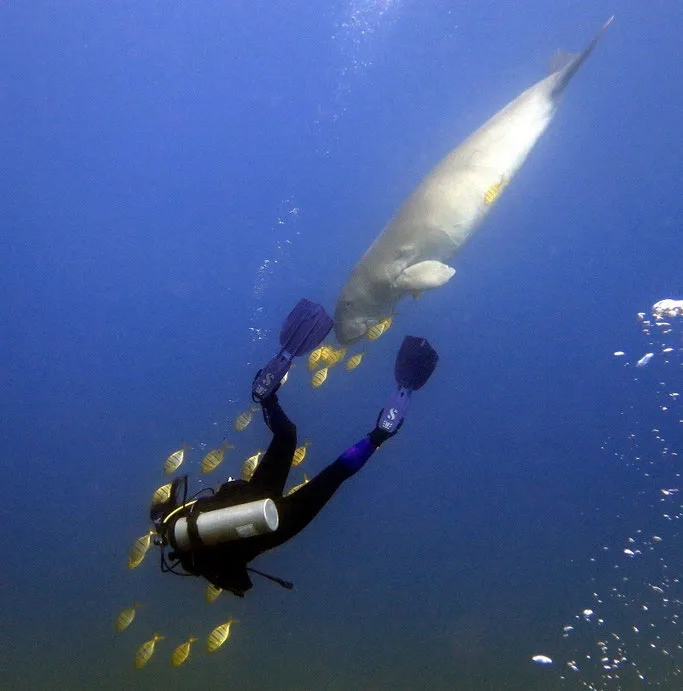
410, 254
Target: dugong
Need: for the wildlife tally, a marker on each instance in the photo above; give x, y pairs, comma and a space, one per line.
449, 204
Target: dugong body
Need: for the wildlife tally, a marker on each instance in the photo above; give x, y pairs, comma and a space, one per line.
410, 254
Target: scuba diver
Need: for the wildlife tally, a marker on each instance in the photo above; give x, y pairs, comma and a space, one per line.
217, 536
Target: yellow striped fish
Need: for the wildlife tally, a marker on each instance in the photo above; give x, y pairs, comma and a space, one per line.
243, 419
214, 458
249, 466
125, 619
299, 486
336, 356
162, 494
493, 192
219, 635
314, 358
318, 379
139, 549
353, 361
300, 453
212, 592
325, 354
175, 460
146, 650
374, 332
182, 652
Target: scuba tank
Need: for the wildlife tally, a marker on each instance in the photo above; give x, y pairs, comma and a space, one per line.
194, 529
223, 525
217, 523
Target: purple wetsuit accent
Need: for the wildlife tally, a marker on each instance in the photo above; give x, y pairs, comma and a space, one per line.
297, 510
356, 456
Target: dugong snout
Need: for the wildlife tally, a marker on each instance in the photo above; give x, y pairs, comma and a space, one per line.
350, 324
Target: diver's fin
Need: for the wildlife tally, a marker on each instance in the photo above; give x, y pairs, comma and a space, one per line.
424, 275
304, 328
415, 363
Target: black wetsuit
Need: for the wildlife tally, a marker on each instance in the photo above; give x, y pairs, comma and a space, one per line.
225, 565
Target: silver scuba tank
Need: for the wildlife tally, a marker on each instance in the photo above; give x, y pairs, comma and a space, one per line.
232, 523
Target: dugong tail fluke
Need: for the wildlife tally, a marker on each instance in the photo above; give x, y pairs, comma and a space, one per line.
411, 253
571, 66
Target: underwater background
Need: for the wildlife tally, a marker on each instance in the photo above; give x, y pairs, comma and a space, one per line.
175, 176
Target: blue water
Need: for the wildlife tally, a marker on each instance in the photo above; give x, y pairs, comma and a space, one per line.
175, 176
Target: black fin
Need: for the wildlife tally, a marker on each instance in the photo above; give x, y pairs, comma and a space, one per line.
305, 328
415, 363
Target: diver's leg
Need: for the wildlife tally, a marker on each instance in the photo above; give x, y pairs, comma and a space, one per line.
297, 510
415, 364
271, 473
